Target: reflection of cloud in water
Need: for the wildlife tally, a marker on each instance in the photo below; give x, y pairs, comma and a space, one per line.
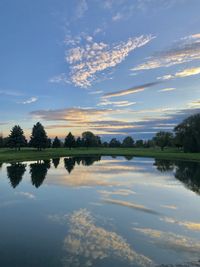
120, 192
26, 194
172, 241
171, 207
189, 225
130, 205
87, 243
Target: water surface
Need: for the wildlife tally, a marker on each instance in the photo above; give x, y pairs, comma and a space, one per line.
99, 212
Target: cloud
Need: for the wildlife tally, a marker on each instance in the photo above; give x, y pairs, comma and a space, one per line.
96, 92
172, 241
10, 93
93, 58
194, 104
93, 243
119, 192
188, 49
129, 205
181, 74
189, 225
167, 89
105, 102
26, 194
132, 90
117, 17
30, 100
81, 8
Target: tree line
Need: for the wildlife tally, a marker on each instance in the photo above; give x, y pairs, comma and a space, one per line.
186, 136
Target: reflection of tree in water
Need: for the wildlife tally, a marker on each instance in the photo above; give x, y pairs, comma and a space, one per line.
56, 162
85, 161
69, 164
15, 173
1, 164
38, 172
164, 165
128, 157
186, 172
189, 174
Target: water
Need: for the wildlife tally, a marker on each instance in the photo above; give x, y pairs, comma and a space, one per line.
99, 212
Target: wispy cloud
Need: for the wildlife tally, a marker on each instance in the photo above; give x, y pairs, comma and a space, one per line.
105, 102
167, 89
81, 8
129, 205
30, 100
96, 92
117, 17
86, 61
171, 240
188, 49
181, 74
132, 90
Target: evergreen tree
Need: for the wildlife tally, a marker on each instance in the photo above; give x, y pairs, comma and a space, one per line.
70, 141
39, 137
16, 138
48, 142
56, 142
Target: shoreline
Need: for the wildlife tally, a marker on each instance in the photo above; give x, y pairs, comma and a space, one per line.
29, 154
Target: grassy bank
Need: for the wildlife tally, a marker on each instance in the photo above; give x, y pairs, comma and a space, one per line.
27, 154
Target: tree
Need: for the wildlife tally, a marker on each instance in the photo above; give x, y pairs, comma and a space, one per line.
114, 143
163, 139
187, 134
79, 142
1, 141
128, 142
39, 137
48, 142
139, 143
16, 138
56, 143
70, 141
89, 139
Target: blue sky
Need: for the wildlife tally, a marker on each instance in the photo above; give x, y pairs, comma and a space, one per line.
114, 67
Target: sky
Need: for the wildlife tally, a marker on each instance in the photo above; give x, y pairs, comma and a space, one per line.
113, 67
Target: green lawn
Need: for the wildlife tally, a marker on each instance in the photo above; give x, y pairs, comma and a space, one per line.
27, 154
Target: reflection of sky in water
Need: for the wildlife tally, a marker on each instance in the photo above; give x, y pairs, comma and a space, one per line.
92, 212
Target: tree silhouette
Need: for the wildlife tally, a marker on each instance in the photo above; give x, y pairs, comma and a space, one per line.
56, 162
70, 141
187, 134
69, 164
38, 172
39, 138
16, 138
114, 143
56, 143
15, 173
128, 142
163, 139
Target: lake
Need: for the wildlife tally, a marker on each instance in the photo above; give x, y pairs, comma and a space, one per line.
99, 211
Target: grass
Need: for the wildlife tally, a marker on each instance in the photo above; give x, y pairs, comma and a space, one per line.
28, 154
